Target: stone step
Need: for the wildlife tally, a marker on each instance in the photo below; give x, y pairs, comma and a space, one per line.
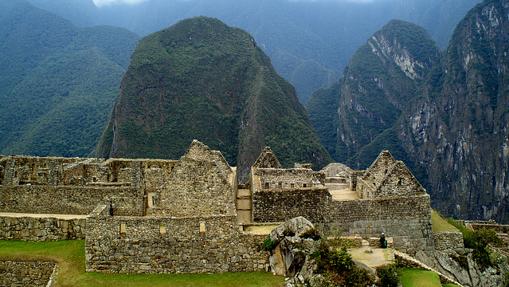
241, 193
244, 216
244, 204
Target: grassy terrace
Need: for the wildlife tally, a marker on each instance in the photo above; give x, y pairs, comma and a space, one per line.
70, 257
410, 277
440, 224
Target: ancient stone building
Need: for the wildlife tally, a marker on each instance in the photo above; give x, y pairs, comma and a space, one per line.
190, 215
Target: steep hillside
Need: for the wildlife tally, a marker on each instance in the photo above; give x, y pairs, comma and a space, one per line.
460, 129
449, 122
201, 79
60, 81
381, 79
323, 115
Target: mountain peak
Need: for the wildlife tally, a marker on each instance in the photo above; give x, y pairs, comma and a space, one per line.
203, 79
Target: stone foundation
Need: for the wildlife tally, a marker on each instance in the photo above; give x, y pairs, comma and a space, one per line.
29, 274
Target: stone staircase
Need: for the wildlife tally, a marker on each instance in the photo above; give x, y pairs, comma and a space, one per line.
244, 205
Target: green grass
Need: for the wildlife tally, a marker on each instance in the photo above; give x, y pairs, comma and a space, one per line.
410, 277
439, 224
70, 257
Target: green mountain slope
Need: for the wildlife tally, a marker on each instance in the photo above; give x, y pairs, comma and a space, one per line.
61, 84
381, 79
201, 79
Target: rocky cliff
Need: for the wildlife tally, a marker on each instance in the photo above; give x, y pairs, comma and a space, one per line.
459, 129
381, 79
205, 80
445, 115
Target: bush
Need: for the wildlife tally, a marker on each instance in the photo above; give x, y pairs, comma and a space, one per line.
338, 267
268, 244
479, 241
388, 276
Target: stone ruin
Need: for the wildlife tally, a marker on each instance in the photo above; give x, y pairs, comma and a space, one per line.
191, 216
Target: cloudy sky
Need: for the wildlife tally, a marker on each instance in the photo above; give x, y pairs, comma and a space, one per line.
100, 3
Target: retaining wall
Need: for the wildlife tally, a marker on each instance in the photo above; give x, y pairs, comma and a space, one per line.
170, 245
30, 274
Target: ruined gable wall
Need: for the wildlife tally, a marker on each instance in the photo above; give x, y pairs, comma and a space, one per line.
201, 183
399, 182
379, 168
171, 245
406, 219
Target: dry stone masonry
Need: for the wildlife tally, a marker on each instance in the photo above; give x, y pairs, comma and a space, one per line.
21, 273
182, 216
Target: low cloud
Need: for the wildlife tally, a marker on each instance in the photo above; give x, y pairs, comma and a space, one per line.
101, 3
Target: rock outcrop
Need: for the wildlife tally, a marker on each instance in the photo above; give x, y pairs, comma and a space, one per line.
294, 241
460, 265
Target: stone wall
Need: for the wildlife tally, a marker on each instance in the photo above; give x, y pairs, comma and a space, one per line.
387, 177
281, 205
170, 245
448, 240
292, 178
406, 219
19, 273
41, 229
201, 183
69, 199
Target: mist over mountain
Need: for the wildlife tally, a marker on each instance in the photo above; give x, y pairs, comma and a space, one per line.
58, 82
309, 42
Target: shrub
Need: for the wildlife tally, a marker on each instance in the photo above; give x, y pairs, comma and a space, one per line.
478, 241
268, 244
388, 276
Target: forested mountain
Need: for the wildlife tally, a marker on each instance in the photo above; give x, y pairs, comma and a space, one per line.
446, 115
309, 42
201, 79
58, 82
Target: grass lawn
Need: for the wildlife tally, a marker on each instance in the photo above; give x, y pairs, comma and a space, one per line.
439, 224
410, 277
70, 256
